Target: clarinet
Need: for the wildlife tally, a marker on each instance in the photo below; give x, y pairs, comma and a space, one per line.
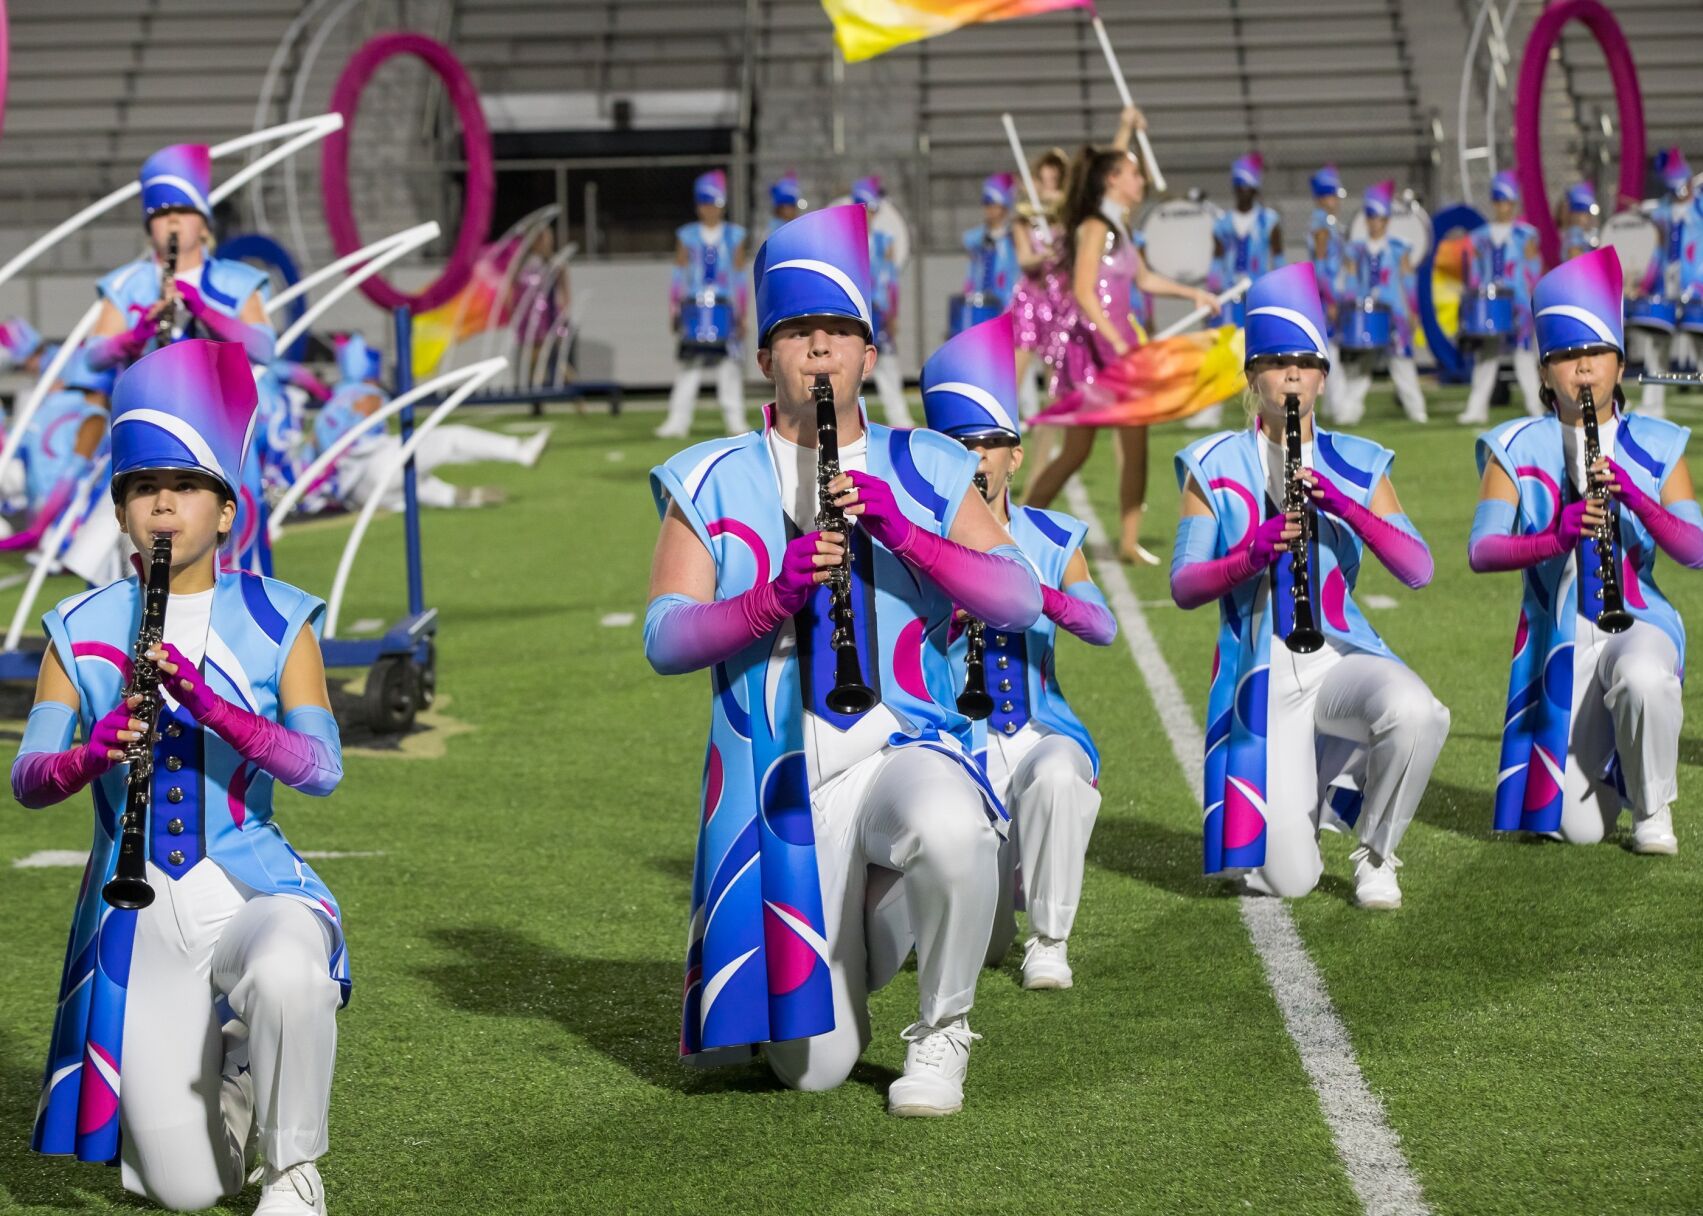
1304, 637
850, 695
1612, 617
974, 701
167, 321
128, 887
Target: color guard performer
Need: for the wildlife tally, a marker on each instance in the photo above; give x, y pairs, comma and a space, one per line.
1377, 280
1040, 759
1579, 502
214, 997
706, 310
832, 772
1312, 721
1502, 258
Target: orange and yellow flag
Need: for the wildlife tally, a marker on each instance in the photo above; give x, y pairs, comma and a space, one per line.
867, 28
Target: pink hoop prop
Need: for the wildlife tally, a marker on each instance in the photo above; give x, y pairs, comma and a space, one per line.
475, 146
1528, 134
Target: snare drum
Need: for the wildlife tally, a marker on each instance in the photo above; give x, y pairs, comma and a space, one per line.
1486, 315
1691, 316
1634, 239
972, 309
706, 325
1178, 236
1652, 313
1366, 327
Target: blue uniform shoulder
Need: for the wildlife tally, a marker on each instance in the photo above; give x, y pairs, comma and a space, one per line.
1065, 531
113, 283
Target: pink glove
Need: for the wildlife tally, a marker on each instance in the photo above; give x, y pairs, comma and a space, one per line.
1492, 553
255, 340
309, 383
1083, 613
125, 347
1679, 538
1403, 551
1202, 582
41, 779
880, 511
682, 634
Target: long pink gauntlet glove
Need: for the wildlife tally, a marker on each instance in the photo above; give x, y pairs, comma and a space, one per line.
1497, 550
1679, 537
1082, 610
40, 779
683, 634
120, 348
1201, 582
256, 340
1401, 550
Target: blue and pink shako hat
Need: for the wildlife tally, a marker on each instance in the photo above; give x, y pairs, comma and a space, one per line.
814, 266
178, 176
1579, 304
969, 385
190, 405
1285, 315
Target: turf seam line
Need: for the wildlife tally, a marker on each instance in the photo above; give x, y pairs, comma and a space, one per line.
1366, 1144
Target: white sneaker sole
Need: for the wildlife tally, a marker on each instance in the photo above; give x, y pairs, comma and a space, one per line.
1383, 903
1040, 983
913, 1110
1656, 848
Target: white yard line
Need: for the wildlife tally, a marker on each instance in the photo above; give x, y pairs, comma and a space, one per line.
1367, 1145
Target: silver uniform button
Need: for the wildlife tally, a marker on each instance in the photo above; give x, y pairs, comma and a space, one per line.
1005, 707
1004, 662
1011, 728
173, 763
173, 731
1005, 686
175, 827
175, 857
999, 639
175, 794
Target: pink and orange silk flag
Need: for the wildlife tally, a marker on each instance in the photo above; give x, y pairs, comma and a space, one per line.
867, 28
1158, 382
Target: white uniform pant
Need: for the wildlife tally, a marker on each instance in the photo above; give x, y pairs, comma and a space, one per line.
1357, 382
729, 391
220, 974
1658, 350
443, 445
1626, 697
1341, 719
909, 812
1485, 367
1046, 781
890, 387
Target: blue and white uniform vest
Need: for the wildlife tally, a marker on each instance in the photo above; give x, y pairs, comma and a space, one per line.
134, 288
756, 969
993, 271
1247, 256
1576, 240
1227, 468
208, 803
1377, 275
1506, 264
49, 447
884, 288
1022, 676
710, 268
1329, 266
1538, 722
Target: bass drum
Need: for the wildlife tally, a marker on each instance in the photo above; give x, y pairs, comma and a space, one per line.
1409, 223
1634, 238
1178, 237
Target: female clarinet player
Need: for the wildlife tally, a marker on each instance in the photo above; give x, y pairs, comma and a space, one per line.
1312, 719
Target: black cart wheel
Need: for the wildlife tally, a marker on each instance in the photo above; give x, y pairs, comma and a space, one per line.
391, 700
426, 678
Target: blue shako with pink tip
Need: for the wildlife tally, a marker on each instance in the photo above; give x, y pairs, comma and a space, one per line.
969, 385
814, 266
1581, 303
190, 405
177, 176
1285, 315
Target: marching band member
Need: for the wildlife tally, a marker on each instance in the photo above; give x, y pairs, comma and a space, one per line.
1579, 234
1503, 255
1379, 270
357, 473
60, 446
1594, 706
225, 1031
1325, 241
992, 272
1246, 243
885, 273
1105, 184
1675, 272
708, 283
20, 347
1040, 758
813, 805
786, 199
1300, 739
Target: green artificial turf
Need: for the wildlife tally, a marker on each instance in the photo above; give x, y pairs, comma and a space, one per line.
1530, 1018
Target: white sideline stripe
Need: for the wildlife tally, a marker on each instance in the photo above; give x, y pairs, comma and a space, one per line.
616, 620
1366, 1144
1380, 602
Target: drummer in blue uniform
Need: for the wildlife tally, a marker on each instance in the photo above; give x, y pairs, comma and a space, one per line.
1579, 234
20, 347
706, 310
1655, 314
1038, 756
786, 202
1502, 266
1325, 243
993, 271
885, 273
1246, 243
1376, 314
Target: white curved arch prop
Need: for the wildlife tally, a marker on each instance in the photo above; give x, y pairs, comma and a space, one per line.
25, 413
304, 70
477, 374
373, 421
336, 268
521, 333
269, 85
400, 244
46, 562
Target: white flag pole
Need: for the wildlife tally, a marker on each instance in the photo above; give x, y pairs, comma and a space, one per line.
1123, 94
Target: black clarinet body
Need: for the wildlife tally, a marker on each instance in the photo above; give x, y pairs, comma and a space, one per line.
1612, 616
166, 324
975, 701
850, 695
1304, 637
128, 888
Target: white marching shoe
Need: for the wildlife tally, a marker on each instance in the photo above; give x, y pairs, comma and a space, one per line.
935, 1064
1655, 834
296, 1191
1044, 963
1375, 884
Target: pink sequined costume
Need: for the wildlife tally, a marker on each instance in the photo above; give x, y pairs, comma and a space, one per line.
1086, 348
1041, 305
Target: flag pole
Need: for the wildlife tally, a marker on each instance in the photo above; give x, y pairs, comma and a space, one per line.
1022, 162
1123, 94
1200, 314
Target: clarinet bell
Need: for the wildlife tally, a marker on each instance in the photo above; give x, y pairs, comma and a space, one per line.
128, 894
975, 703
1304, 639
1616, 620
851, 699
